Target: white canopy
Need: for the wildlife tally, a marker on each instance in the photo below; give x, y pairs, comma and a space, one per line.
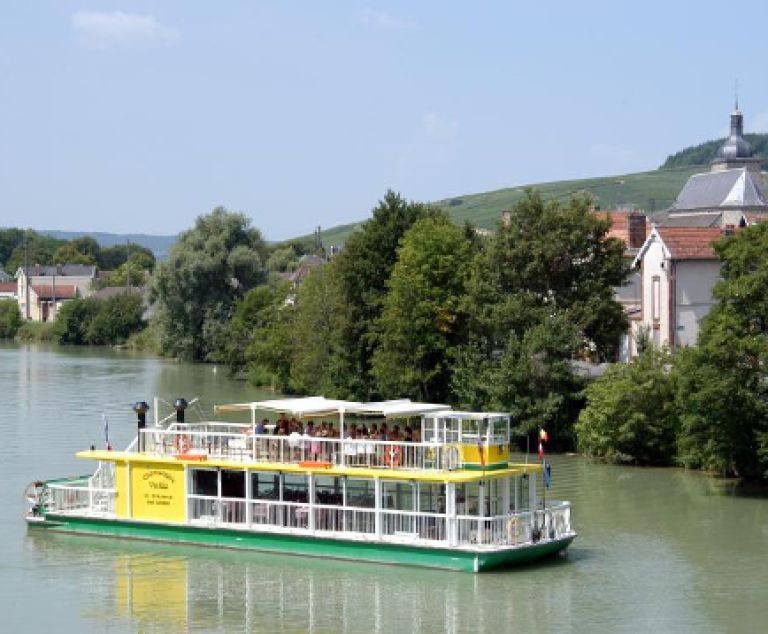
468, 415
307, 406
320, 406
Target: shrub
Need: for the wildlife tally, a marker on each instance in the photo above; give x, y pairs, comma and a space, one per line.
10, 318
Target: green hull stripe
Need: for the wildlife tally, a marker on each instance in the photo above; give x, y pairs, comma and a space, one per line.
305, 545
476, 466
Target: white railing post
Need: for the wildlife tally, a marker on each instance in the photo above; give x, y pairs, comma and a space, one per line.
450, 513
311, 502
377, 516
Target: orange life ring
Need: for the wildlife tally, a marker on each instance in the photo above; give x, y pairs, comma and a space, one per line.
393, 456
182, 443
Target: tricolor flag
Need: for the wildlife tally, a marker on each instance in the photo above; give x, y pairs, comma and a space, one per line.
543, 437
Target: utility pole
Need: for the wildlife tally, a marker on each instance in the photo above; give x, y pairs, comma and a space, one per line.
128, 265
26, 275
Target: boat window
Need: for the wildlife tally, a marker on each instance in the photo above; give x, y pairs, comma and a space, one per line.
451, 426
232, 484
467, 496
328, 490
295, 488
361, 493
205, 482
265, 486
398, 495
431, 497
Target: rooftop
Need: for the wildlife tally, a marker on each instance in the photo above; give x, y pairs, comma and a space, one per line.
61, 270
63, 291
715, 190
690, 243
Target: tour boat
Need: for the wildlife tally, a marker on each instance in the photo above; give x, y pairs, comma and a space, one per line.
448, 497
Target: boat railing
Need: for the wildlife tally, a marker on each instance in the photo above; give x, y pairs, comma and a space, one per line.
552, 522
80, 495
297, 449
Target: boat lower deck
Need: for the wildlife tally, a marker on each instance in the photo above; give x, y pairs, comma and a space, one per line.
475, 558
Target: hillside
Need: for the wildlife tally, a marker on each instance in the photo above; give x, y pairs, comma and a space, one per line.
650, 191
159, 245
704, 153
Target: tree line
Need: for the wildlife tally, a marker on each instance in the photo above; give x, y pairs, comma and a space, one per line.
413, 306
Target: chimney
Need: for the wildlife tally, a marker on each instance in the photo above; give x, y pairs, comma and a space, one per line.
636, 230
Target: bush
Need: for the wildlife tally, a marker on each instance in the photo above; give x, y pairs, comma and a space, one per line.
99, 321
10, 318
630, 415
35, 331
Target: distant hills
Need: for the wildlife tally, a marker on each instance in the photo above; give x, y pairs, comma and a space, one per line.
159, 245
650, 191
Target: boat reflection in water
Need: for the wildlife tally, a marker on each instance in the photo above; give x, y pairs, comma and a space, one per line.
156, 587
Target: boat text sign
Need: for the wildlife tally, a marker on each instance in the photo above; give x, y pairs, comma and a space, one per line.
157, 492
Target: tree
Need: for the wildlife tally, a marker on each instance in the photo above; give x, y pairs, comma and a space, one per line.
10, 318
39, 250
630, 414
363, 268
540, 293
316, 327
115, 319
68, 254
208, 269
110, 258
253, 314
530, 376
423, 317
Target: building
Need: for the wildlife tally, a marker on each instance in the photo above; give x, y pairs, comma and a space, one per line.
8, 290
679, 268
677, 264
732, 188
42, 289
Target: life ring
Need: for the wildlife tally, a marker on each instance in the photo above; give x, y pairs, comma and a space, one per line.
182, 443
393, 456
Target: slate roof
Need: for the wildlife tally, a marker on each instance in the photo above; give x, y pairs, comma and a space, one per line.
65, 291
690, 243
698, 219
63, 270
714, 190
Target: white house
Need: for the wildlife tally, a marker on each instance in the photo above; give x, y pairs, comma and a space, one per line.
42, 289
678, 268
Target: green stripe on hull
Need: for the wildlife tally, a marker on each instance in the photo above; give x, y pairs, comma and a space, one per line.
385, 553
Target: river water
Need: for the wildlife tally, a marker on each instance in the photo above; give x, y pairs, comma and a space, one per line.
659, 550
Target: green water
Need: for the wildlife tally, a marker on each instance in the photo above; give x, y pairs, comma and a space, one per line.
658, 550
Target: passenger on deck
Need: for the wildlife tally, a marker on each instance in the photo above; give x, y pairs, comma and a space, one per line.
261, 427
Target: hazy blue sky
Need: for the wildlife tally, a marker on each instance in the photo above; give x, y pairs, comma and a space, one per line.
138, 116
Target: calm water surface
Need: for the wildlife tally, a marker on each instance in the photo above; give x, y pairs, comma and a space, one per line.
658, 550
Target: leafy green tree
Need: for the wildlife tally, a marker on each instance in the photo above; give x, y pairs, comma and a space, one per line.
283, 259
9, 239
363, 268
133, 272
208, 269
111, 258
316, 327
10, 318
40, 249
541, 293
630, 414
423, 318
68, 254
253, 313
270, 346
531, 377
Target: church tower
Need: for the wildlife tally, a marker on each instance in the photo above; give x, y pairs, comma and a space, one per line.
736, 152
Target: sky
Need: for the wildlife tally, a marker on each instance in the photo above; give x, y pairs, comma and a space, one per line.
136, 117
